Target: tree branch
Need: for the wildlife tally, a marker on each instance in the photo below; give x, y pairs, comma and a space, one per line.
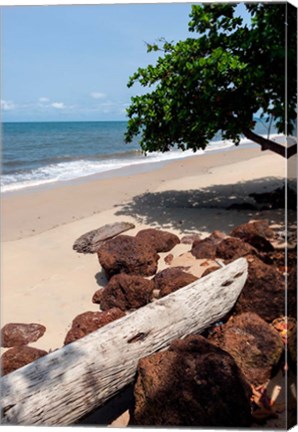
267, 144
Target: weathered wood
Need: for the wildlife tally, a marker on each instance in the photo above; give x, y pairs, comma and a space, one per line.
61, 387
92, 240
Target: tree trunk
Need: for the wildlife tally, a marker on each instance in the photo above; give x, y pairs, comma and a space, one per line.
267, 144
66, 384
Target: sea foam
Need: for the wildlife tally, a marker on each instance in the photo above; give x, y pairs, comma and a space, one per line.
67, 171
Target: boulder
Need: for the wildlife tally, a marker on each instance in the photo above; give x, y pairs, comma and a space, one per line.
195, 384
232, 248
126, 292
292, 292
259, 227
206, 248
292, 347
171, 279
160, 241
263, 292
125, 254
17, 357
190, 238
97, 296
88, 322
255, 346
210, 270
168, 259
18, 334
255, 233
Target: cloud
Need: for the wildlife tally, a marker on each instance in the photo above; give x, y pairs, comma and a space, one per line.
58, 105
44, 99
7, 105
97, 95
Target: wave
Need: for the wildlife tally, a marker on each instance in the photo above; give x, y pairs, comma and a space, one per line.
77, 168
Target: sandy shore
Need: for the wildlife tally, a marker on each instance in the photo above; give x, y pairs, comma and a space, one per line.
45, 281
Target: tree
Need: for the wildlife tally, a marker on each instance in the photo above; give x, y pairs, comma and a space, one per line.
218, 80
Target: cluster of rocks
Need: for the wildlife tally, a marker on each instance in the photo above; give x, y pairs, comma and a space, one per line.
16, 337
202, 380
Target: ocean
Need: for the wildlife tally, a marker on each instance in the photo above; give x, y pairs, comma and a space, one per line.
41, 153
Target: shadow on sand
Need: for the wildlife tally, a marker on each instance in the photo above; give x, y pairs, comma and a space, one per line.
205, 209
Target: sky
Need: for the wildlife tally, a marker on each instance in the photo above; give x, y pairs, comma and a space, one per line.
62, 63
74, 62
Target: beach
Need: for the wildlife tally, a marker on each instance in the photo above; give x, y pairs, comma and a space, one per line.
45, 281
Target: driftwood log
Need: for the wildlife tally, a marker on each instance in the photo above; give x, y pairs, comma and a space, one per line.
92, 240
63, 386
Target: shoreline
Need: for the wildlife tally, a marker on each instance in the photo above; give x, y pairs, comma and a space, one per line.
27, 213
137, 167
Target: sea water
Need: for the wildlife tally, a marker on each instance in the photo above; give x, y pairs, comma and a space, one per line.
41, 153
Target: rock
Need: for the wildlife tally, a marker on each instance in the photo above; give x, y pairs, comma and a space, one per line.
126, 292
17, 334
255, 233
210, 270
93, 240
255, 346
168, 259
292, 293
232, 248
125, 254
195, 384
190, 238
17, 357
161, 241
263, 292
97, 296
88, 322
217, 236
292, 347
204, 248
171, 279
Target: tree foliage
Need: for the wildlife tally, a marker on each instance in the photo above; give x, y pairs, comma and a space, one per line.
217, 80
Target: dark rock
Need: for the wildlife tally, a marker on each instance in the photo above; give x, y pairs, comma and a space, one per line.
263, 292
232, 248
292, 293
190, 238
194, 383
125, 254
17, 334
161, 241
171, 279
256, 234
88, 322
217, 236
255, 346
259, 227
17, 357
168, 259
97, 296
209, 270
204, 248
292, 347
126, 292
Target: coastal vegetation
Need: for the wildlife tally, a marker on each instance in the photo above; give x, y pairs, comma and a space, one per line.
218, 80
